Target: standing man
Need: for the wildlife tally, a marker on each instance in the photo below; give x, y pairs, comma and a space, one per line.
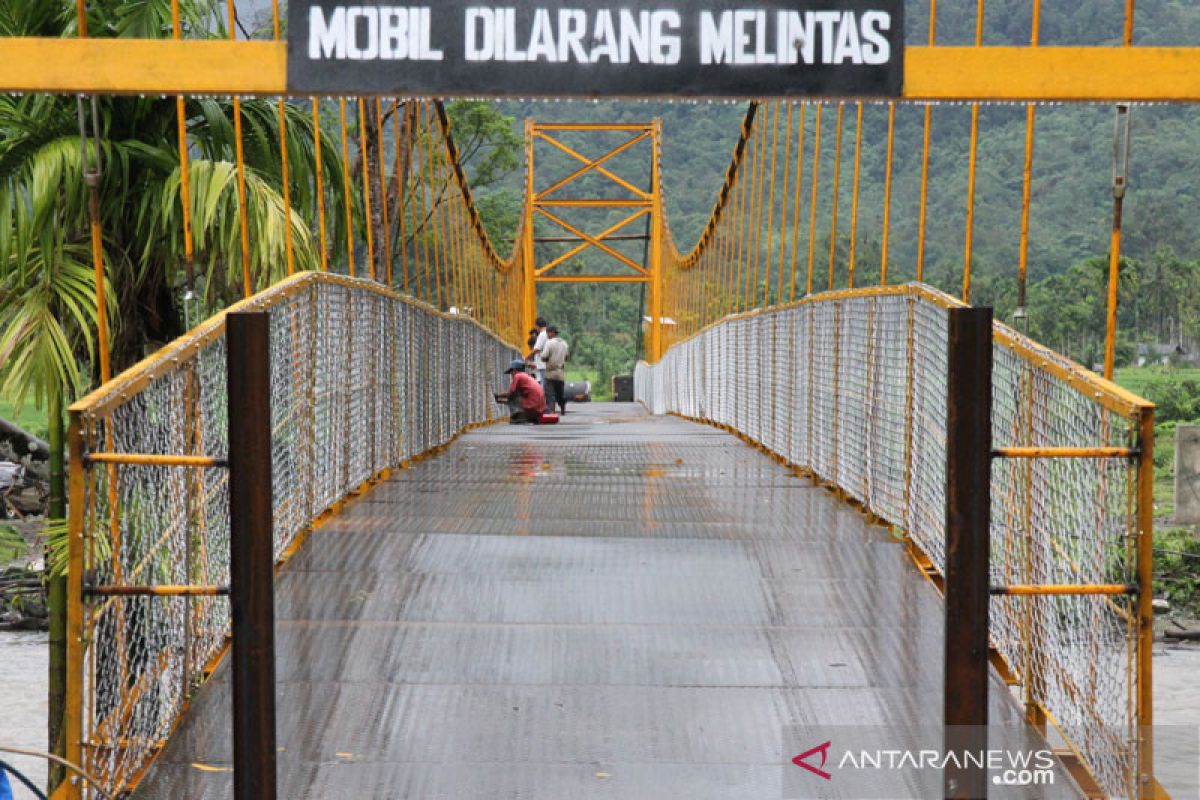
539, 345
524, 397
556, 354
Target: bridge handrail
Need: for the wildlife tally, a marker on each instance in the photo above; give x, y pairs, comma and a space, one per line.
363, 380
849, 388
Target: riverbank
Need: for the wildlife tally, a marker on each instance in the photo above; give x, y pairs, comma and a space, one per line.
22, 584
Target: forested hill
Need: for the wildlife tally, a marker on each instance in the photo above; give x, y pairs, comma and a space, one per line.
1071, 188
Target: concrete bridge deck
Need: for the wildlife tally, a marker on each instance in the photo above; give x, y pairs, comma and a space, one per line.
620, 606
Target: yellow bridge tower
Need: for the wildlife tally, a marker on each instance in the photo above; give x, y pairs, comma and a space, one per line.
553, 204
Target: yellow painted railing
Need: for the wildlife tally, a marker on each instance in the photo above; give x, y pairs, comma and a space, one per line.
363, 380
849, 387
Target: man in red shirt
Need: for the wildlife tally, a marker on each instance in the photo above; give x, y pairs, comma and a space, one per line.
524, 397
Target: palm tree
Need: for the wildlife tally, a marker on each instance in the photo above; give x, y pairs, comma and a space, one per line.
47, 281
41, 171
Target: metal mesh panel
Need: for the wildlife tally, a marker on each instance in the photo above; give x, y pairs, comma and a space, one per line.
1067, 648
361, 380
926, 499
854, 320
860, 401
886, 437
821, 388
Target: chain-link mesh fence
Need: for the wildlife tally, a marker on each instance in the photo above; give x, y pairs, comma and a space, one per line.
851, 387
362, 380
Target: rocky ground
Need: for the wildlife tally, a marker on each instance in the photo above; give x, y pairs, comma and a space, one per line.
30, 456
22, 510
22, 585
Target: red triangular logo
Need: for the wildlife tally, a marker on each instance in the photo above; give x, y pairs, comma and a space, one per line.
823, 749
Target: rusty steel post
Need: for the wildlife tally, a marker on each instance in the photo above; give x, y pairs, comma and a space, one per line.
968, 508
252, 556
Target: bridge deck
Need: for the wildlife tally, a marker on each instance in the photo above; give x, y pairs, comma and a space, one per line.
619, 606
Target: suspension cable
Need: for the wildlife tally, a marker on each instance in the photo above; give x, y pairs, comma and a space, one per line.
968, 246
364, 160
858, 126
1020, 314
346, 188
787, 163
796, 210
770, 209
1120, 164
320, 182
837, 176
402, 161
812, 219
887, 195
185, 193
385, 230
243, 211
924, 202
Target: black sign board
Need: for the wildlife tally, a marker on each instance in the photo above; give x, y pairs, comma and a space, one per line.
589, 48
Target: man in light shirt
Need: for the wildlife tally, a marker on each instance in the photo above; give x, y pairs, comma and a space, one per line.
556, 354
539, 346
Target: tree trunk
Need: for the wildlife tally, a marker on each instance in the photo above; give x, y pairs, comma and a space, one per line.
403, 167
370, 163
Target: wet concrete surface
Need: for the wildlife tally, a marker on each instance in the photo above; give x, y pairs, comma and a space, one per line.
619, 606
23, 684
1177, 719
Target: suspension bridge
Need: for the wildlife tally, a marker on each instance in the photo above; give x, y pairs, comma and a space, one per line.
834, 504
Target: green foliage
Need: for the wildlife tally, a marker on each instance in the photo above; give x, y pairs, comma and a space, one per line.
599, 321
1164, 470
1177, 567
1139, 379
26, 416
58, 547
12, 544
47, 281
1175, 394
488, 145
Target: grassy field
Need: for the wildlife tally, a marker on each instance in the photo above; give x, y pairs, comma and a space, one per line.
601, 390
1175, 391
29, 417
1139, 379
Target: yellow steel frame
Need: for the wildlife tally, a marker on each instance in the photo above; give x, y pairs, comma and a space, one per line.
642, 203
153, 66
92, 411
1105, 394
974, 73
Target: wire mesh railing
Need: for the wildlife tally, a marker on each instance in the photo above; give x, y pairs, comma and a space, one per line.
362, 380
850, 387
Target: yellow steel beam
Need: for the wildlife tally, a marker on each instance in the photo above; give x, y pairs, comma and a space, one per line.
595, 164
593, 126
1065, 452
592, 279
158, 591
1052, 73
136, 66
164, 66
153, 460
1064, 589
590, 164
593, 202
590, 241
